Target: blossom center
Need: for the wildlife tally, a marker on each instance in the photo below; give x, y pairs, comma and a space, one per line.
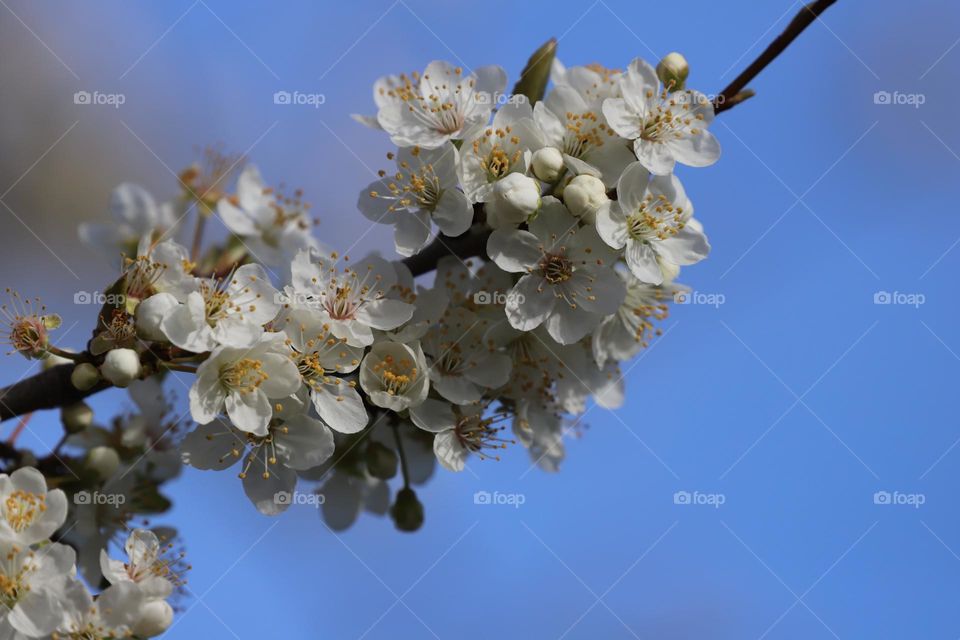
396, 375
556, 268
656, 218
245, 375
21, 509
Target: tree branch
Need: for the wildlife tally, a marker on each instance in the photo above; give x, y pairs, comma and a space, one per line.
52, 388
48, 389
726, 98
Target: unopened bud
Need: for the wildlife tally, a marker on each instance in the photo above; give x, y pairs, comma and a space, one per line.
76, 417
673, 71
155, 617
84, 376
103, 461
150, 313
584, 195
121, 366
547, 164
407, 511
514, 199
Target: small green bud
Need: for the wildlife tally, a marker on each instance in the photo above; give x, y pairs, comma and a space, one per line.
76, 417
673, 71
407, 511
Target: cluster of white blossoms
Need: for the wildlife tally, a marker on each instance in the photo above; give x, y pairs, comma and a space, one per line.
300, 352
39, 589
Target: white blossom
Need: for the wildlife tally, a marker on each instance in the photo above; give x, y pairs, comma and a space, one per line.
135, 214
460, 431
666, 127
568, 280
423, 189
274, 229
441, 104
229, 312
394, 375
652, 219
355, 300
243, 381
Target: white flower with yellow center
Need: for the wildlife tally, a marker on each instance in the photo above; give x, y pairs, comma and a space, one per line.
31, 587
113, 614
228, 312
461, 431
665, 127
394, 375
496, 151
294, 442
593, 82
323, 360
652, 218
273, 228
462, 366
568, 282
442, 104
146, 566
355, 299
422, 189
624, 334
243, 381
580, 132
28, 512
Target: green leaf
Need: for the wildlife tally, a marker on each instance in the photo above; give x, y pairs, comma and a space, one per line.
533, 80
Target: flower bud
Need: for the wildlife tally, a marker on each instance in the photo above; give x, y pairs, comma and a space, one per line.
407, 511
103, 461
150, 313
584, 195
381, 461
84, 376
673, 71
547, 164
121, 366
155, 617
76, 417
514, 199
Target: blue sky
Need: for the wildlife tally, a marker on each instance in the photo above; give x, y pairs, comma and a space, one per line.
796, 400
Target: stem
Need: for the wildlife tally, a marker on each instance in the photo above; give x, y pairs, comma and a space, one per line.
177, 367
57, 351
19, 428
725, 100
403, 457
198, 235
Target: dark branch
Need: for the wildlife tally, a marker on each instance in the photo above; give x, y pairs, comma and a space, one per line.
726, 99
46, 390
51, 389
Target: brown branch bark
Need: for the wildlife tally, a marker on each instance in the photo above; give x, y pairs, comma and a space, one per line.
725, 99
51, 389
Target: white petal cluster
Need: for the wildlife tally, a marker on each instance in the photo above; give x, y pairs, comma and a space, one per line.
41, 594
578, 229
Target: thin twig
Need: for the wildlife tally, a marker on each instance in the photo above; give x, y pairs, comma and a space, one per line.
725, 99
